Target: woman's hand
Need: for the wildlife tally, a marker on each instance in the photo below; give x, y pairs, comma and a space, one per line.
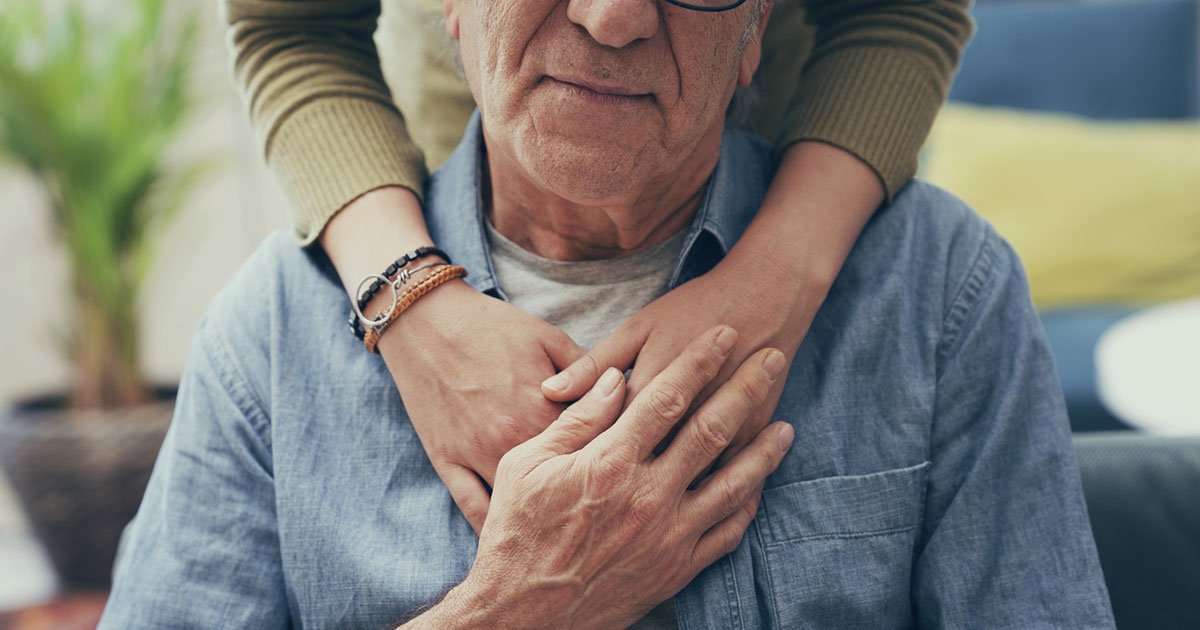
769, 287
468, 368
467, 365
653, 337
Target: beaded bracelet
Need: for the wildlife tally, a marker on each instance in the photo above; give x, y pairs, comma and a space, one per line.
401, 279
386, 277
425, 285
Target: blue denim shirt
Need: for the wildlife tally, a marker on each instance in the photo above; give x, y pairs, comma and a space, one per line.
931, 482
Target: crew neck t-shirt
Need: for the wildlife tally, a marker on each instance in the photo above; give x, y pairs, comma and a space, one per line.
586, 299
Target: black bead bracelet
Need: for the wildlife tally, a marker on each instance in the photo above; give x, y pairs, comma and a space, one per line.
392, 269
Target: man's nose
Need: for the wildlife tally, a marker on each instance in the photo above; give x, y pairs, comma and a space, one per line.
616, 23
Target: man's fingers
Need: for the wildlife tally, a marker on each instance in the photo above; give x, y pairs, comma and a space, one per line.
617, 350
730, 498
468, 492
721, 494
580, 423
725, 536
715, 424
757, 421
664, 401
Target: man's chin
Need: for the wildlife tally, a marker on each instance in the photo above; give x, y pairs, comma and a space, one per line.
581, 165
585, 173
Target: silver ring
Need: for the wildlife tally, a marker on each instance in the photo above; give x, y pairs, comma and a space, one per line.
383, 317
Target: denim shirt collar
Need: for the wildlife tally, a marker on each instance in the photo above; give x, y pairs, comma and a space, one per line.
455, 208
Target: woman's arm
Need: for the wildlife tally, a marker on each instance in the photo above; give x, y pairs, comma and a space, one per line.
309, 72
877, 76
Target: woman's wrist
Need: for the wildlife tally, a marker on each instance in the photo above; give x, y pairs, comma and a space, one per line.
818, 203
371, 231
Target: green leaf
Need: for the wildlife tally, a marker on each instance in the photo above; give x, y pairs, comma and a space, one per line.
90, 104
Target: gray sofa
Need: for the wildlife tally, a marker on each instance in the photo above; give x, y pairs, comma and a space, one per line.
1143, 496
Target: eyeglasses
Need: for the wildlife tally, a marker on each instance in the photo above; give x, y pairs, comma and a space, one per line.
711, 6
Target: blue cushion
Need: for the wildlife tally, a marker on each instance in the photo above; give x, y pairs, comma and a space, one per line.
1073, 333
1119, 60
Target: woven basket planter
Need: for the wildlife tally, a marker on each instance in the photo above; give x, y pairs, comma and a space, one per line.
80, 477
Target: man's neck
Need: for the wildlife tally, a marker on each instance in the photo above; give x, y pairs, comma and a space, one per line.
560, 229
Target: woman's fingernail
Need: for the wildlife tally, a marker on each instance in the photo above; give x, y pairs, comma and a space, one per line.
558, 382
785, 434
724, 340
608, 382
773, 364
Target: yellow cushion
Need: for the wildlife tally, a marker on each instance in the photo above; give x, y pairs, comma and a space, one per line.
1100, 212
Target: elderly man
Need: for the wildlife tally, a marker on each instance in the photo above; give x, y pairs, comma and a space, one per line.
930, 480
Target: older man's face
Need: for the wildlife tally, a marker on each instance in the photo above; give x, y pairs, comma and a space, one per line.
597, 99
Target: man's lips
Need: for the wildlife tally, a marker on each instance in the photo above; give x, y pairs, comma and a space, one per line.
598, 87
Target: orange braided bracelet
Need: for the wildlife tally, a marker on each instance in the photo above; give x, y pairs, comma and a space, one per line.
425, 285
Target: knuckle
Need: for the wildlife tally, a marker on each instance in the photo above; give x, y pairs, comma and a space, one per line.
711, 432
731, 538
510, 430
668, 401
609, 470
750, 390
744, 516
707, 364
752, 503
728, 497
571, 416
588, 365
510, 462
643, 510
748, 511
469, 506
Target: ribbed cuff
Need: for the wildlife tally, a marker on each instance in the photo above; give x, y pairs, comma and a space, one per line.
876, 103
332, 151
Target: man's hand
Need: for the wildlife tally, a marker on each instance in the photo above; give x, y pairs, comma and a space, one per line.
588, 528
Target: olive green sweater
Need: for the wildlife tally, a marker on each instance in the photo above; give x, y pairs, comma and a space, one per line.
868, 76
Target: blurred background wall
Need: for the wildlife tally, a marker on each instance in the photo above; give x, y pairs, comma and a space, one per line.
222, 221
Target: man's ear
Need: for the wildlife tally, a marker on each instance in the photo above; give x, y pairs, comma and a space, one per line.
450, 11
752, 56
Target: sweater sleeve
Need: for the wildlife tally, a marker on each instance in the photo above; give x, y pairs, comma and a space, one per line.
877, 76
324, 117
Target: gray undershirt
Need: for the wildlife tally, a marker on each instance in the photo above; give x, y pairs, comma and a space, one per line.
588, 300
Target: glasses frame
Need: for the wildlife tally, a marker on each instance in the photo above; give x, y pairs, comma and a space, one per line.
694, 7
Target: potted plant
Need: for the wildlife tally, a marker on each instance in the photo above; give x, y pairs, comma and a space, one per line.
89, 104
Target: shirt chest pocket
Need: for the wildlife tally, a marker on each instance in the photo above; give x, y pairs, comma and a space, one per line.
837, 552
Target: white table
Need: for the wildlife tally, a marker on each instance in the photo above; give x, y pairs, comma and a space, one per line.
1148, 369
